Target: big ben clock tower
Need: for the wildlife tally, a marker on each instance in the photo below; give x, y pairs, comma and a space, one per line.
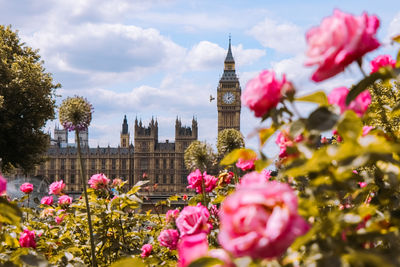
228, 95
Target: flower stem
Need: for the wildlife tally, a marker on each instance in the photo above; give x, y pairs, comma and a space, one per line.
83, 176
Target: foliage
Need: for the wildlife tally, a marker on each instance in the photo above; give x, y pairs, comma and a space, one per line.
27, 96
228, 140
199, 155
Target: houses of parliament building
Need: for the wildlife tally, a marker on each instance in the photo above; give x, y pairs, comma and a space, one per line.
163, 162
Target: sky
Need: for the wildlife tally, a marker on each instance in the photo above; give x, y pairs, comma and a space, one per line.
164, 58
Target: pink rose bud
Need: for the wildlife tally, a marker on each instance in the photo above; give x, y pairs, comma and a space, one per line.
98, 181
26, 188
3, 185
171, 215
169, 238
27, 239
193, 220
362, 184
47, 200
359, 105
56, 188
64, 200
146, 250
263, 93
192, 247
260, 221
382, 61
338, 41
245, 165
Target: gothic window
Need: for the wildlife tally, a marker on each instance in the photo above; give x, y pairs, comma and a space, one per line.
93, 164
103, 164
157, 179
124, 142
164, 163
52, 164
72, 164
164, 179
157, 163
123, 163
113, 164
172, 179
72, 180
184, 179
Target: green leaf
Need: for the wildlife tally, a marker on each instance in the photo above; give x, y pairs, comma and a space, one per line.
206, 262
297, 127
350, 126
396, 38
173, 198
9, 212
398, 59
243, 153
33, 260
128, 263
318, 97
361, 86
321, 119
359, 258
266, 133
261, 164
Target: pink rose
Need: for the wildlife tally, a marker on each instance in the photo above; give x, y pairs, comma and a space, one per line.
267, 174
263, 93
98, 181
382, 61
366, 130
117, 182
362, 184
260, 220
171, 215
245, 165
252, 178
26, 188
47, 200
193, 220
192, 247
359, 105
27, 239
64, 200
3, 185
47, 212
56, 188
184, 197
195, 179
338, 41
169, 238
60, 216
146, 250
214, 210
283, 140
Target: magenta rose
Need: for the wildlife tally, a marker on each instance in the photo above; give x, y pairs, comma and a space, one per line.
27, 188
169, 238
245, 165
27, 239
359, 105
3, 185
382, 61
260, 220
263, 93
195, 179
338, 41
56, 188
192, 247
193, 220
171, 215
98, 181
47, 200
64, 200
146, 250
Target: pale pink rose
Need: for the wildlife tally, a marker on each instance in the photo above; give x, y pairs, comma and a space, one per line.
355, 171
362, 184
169, 238
359, 105
60, 216
263, 92
146, 250
47, 200
117, 182
171, 215
64, 200
192, 247
27, 239
260, 221
366, 130
195, 179
27, 188
245, 165
193, 220
382, 61
223, 256
56, 188
98, 181
3, 185
338, 41
252, 179
47, 212
283, 140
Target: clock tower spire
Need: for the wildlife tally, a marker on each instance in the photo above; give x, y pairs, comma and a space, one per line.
228, 95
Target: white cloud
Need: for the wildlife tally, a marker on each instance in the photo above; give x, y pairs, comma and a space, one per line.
282, 37
394, 27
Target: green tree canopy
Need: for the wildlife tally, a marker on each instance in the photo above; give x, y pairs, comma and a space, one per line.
27, 94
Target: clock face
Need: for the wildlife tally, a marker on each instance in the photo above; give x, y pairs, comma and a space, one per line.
228, 98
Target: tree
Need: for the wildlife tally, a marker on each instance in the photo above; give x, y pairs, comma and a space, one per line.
27, 94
